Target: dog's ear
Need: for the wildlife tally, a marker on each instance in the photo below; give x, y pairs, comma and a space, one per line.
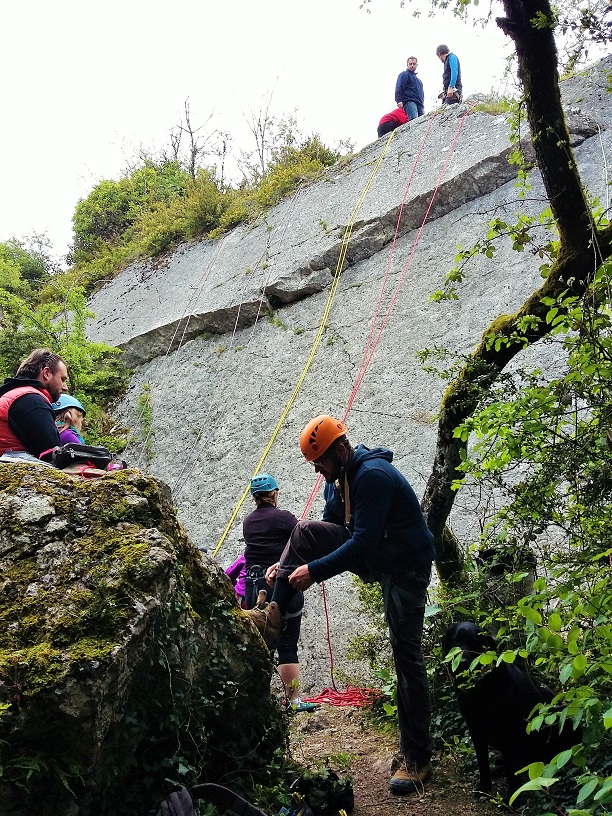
486, 641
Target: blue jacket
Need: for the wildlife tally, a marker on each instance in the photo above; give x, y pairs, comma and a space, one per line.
389, 535
451, 74
409, 88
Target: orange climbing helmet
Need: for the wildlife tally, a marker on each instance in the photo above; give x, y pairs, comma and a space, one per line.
319, 434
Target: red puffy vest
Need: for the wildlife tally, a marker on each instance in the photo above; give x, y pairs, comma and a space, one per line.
8, 440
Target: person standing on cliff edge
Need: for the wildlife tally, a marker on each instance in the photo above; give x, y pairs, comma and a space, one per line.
452, 92
409, 93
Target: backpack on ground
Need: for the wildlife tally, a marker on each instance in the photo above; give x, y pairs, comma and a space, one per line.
63, 456
325, 792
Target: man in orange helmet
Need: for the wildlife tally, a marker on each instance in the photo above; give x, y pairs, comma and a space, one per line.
372, 526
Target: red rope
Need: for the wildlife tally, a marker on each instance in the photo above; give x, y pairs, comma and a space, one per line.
366, 362
363, 365
353, 696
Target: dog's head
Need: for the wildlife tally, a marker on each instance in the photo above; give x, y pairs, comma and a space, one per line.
470, 638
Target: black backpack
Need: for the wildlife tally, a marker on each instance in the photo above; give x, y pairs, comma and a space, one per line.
72, 453
326, 793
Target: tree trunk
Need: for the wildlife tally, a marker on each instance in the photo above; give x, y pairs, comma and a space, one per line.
582, 250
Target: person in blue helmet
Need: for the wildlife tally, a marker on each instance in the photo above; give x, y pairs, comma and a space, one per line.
69, 416
266, 531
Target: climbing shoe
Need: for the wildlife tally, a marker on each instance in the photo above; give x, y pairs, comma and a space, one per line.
410, 778
268, 619
298, 705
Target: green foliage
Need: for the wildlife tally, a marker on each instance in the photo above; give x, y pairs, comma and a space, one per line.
276, 321
371, 645
525, 232
56, 317
25, 265
542, 450
495, 105
114, 206
145, 413
159, 204
196, 212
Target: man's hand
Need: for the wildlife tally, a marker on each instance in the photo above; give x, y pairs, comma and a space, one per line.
300, 578
271, 574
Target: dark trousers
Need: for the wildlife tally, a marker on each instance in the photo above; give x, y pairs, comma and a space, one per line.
404, 612
287, 647
386, 127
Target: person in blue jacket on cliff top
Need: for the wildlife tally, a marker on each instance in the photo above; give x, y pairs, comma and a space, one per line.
372, 526
409, 94
452, 92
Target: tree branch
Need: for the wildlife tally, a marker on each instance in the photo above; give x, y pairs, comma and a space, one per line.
582, 250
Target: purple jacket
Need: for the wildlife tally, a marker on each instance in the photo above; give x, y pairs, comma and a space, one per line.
236, 572
68, 435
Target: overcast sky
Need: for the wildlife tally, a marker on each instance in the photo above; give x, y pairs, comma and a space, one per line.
86, 84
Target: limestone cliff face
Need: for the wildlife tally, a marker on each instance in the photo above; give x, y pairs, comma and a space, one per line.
121, 650
220, 332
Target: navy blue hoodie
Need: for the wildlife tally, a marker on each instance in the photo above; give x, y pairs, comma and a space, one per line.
389, 535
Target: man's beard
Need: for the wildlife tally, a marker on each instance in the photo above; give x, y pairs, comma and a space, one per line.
335, 469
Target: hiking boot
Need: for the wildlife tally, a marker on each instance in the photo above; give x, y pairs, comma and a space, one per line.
410, 778
269, 622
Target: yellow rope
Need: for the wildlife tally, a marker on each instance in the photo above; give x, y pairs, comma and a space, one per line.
330, 299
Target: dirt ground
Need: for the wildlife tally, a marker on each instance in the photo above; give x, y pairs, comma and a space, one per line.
345, 731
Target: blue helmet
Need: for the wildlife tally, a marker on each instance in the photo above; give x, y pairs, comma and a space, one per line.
66, 401
264, 483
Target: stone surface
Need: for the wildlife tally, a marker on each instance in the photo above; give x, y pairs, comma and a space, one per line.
218, 400
121, 650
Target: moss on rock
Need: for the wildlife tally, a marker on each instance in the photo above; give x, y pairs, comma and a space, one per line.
123, 656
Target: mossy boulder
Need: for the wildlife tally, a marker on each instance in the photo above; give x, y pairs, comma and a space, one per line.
124, 659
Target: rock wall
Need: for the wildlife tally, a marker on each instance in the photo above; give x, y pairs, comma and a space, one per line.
121, 650
221, 332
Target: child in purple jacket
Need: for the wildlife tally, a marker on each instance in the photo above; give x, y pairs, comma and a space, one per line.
236, 572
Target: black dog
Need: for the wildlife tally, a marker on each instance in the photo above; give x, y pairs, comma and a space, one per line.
496, 709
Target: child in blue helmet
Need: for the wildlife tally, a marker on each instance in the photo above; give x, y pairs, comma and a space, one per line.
69, 416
